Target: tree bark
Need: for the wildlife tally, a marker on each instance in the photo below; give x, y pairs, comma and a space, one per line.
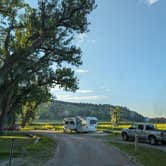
5, 107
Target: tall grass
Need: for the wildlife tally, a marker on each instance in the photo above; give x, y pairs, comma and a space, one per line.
107, 125
101, 126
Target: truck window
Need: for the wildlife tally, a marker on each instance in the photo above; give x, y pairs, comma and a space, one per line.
140, 127
134, 126
150, 127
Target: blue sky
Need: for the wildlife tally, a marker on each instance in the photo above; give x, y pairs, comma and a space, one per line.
124, 57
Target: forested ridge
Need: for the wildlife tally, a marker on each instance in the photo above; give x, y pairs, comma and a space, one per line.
57, 110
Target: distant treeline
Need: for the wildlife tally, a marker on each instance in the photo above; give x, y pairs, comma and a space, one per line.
158, 120
57, 110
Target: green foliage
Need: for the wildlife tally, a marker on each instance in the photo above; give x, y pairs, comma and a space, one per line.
37, 50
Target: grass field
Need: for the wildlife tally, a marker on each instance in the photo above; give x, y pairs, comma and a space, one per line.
160, 126
144, 155
26, 149
44, 126
101, 126
147, 156
106, 125
19, 143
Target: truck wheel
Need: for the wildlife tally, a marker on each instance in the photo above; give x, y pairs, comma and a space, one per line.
125, 136
152, 140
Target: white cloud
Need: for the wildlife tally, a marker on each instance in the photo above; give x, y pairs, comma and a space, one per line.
103, 88
92, 41
151, 2
84, 91
80, 98
81, 71
82, 38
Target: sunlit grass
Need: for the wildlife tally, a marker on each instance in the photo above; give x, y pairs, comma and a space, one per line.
122, 126
25, 148
101, 126
19, 143
45, 126
144, 155
161, 126
15, 137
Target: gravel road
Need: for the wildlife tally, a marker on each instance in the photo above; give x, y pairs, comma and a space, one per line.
84, 150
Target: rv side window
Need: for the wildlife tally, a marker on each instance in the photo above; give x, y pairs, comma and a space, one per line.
71, 122
93, 121
66, 122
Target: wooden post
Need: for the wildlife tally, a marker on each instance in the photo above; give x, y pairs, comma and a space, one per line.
11, 151
136, 142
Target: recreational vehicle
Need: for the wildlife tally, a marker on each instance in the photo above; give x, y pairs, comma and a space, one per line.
80, 124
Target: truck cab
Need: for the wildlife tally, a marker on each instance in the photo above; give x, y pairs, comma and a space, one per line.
144, 131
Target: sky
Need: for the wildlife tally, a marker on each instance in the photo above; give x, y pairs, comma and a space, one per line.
124, 60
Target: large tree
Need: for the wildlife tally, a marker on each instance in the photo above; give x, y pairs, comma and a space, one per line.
38, 48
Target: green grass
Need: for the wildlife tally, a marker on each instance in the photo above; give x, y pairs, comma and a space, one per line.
5, 144
14, 137
58, 126
40, 152
26, 150
48, 121
108, 125
46, 126
146, 156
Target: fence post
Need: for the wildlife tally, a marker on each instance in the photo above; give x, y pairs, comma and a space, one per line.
11, 151
136, 142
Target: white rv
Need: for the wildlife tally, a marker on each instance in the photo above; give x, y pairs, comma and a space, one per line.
80, 124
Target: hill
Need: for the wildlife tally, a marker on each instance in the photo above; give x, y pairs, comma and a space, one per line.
57, 110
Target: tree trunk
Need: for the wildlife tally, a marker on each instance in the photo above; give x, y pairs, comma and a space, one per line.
5, 107
11, 117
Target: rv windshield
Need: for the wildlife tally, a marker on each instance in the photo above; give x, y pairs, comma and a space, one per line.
93, 121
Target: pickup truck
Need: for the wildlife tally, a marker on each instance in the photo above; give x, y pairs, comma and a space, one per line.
145, 132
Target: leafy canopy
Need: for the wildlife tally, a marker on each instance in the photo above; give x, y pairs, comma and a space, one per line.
38, 48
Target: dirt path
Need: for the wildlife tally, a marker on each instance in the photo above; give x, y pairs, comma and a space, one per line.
84, 150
